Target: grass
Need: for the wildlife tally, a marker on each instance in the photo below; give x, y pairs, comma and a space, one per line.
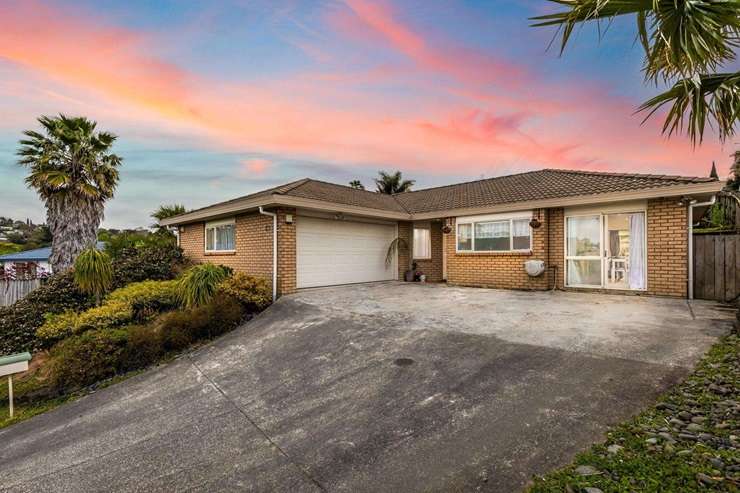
32, 398
6, 247
652, 456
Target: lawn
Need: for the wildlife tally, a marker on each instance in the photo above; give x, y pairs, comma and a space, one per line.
688, 442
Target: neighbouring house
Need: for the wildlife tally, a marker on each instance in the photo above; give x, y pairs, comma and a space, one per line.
614, 232
30, 263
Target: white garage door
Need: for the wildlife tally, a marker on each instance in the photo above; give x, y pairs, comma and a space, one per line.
333, 252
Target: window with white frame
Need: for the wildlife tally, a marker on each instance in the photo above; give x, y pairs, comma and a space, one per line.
422, 242
494, 235
221, 236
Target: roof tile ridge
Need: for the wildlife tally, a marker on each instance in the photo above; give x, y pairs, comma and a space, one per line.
479, 180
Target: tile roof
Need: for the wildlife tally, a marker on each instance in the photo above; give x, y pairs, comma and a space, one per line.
533, 185
341, 194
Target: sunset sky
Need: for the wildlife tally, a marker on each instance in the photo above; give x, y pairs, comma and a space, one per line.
213, 100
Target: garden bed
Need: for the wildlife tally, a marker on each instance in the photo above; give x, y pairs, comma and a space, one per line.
155, 310
688, 442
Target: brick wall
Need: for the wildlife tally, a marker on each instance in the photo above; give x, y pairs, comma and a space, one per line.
404, 232
286, 252
432, 267
667, 252
253, 253
556, 253
498, 270
667, 247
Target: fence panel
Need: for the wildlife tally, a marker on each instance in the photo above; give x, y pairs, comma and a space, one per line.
12, 290
717, 266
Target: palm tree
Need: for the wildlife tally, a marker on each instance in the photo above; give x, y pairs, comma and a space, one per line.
391, 183
357, 184
74, 173
686, 43
164, 212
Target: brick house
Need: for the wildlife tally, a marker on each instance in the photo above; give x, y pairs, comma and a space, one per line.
611, 232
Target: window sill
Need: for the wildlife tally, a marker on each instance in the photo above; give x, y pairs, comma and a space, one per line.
517, 253
221, 253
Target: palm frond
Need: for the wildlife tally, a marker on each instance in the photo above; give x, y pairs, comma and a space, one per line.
698, 102
398, 244
680, 37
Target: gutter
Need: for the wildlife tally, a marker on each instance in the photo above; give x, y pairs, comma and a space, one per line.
693, 204
274, 250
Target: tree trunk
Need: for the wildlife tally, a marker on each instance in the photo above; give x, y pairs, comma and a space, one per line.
73, 223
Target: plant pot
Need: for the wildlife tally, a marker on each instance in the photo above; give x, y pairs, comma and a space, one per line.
408, 276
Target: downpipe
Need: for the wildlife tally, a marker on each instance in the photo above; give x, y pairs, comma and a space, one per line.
692, 204
274, 250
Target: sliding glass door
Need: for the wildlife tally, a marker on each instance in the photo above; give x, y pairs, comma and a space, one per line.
583, 251
606, 251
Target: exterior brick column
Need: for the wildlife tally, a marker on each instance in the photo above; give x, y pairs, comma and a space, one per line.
667, 247
286, 252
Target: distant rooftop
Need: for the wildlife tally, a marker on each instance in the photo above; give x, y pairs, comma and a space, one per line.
36, 255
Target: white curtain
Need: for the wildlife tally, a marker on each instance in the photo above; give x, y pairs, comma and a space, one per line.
498, 229
637, 251
520, 227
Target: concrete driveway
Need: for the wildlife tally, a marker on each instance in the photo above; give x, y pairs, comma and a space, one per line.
381, 387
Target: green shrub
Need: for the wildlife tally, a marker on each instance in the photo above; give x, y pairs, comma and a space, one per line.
147, 261
199, 283
155, 260
147, 298
252, 292
84, 359
20, 321
143, 348
93, 272
179, 329
57, 326
106, 316
137, 302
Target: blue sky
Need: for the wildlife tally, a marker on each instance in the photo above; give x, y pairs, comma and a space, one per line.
216, 101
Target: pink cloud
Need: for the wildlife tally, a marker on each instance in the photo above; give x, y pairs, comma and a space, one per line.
255, 166
457, 62
457, 129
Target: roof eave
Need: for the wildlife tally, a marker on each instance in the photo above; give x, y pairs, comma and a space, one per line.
248, 205
241, 207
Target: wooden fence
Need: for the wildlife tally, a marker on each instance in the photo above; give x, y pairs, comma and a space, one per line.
12, 290
717, 266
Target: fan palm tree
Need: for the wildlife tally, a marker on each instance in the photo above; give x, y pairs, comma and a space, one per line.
686, 44
391, 183
73, 171
164, 212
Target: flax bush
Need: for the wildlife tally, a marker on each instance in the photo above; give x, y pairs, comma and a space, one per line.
93, 272
199, 283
